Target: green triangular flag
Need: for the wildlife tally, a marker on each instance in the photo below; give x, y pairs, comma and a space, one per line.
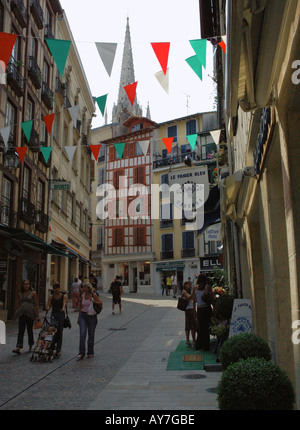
46, 151
192, 138
199, 46
120, 148
101, 101
27, 127
60, 51
195, 64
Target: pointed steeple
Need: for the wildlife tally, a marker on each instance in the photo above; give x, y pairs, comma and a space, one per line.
124, 109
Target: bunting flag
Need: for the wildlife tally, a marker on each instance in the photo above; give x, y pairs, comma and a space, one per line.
192, 138
46, 151
215, 134
223, 44
144, 145
195, 64
120, 148
168, 141
162, 50
70, 150
60, 51
48, 120
199, 46
27, 128
131, 91
95, 150
107, 52
101, 101
5, 132
74, 111
163, 79
7, 42
21, 150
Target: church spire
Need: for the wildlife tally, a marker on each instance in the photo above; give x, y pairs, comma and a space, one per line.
124, 109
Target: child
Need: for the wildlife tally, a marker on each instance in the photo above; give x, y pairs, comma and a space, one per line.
45, 340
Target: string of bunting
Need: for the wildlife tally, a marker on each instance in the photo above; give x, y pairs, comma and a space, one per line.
60, 50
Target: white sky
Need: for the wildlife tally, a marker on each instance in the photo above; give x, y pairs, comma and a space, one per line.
173, 21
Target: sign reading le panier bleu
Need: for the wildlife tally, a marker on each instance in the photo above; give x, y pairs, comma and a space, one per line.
241, 319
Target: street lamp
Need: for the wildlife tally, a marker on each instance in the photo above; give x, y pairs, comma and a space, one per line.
11, 159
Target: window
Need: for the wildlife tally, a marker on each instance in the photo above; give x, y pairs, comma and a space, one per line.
29, 109
164, 179
139, 175
77, 214
44, 134
118, 237
101, 157
11, 117
139, 236
101, 176
116, 178
6, 202
188, 240
99, 238
40, 196
191, 127
70, 206
26, 183
138, 149
46, 72
33, 46
172, 132
15, 54
166, 210
167, 242
1, 17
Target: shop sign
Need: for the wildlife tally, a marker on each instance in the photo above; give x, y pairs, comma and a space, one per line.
169, 267
209, 263
241, 319
60, 185
213, 233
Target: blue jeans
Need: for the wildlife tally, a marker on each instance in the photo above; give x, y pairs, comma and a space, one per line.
87, 324
58, 338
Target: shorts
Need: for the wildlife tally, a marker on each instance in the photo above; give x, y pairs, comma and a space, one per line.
116, 299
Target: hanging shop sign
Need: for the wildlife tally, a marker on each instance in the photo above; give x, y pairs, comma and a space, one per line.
60, 185
208, 264
213, 233
263, 138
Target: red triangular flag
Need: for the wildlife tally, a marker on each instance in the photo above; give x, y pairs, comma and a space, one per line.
21, 150
161, 50
95, 150
49, 121
131, 91
168, 141
7, 42
223, 46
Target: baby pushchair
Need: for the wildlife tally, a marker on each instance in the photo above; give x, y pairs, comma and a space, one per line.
45, 344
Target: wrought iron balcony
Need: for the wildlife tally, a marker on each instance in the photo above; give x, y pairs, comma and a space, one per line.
10, 144
47, 96
42, 221
34, 141
20, 12
188, 253
34, 72
27, 211
48, 34
60, 88
14, 79
7, 216
165, 255
37, 13
166, 223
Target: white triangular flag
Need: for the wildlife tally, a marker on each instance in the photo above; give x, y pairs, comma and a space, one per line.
163, 79
215, 134
107, 52
144, 146
5, 132
70, 150
74, 111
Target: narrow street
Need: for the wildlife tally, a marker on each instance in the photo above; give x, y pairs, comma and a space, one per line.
70, 384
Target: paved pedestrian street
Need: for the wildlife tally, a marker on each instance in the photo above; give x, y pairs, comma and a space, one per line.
128, 371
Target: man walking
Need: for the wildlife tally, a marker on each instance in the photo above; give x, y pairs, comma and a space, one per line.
116, 289
174, 285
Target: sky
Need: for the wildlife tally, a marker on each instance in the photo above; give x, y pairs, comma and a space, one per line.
173, 21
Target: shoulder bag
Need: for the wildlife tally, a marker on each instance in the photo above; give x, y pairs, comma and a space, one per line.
67, 321
182, 303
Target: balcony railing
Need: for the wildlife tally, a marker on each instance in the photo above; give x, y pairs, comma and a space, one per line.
20, 12
166, 223
188, 253
48, 32
27, 211
165, 255
10, 144
34, 141
169, 161
60, 88
7, 216
37, 13
34, 73
42, 221
14, 79
47, 96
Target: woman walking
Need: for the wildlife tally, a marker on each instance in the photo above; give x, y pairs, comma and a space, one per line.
27, 313
87, 321
204, 313
58, 302
190, 318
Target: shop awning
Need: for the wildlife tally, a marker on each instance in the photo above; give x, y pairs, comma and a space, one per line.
73, 251
30, 240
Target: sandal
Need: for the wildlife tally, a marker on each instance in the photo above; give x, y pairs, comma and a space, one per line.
17, 351
80, 357
188, 343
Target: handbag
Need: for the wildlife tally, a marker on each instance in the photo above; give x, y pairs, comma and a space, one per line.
182, 303
37, 325
67, 321
97, 307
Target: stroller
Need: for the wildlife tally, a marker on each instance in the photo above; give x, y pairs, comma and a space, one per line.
45, 345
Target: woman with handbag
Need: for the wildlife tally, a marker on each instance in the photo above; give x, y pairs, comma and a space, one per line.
27, 313
58, 302
87, 320
190, 318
